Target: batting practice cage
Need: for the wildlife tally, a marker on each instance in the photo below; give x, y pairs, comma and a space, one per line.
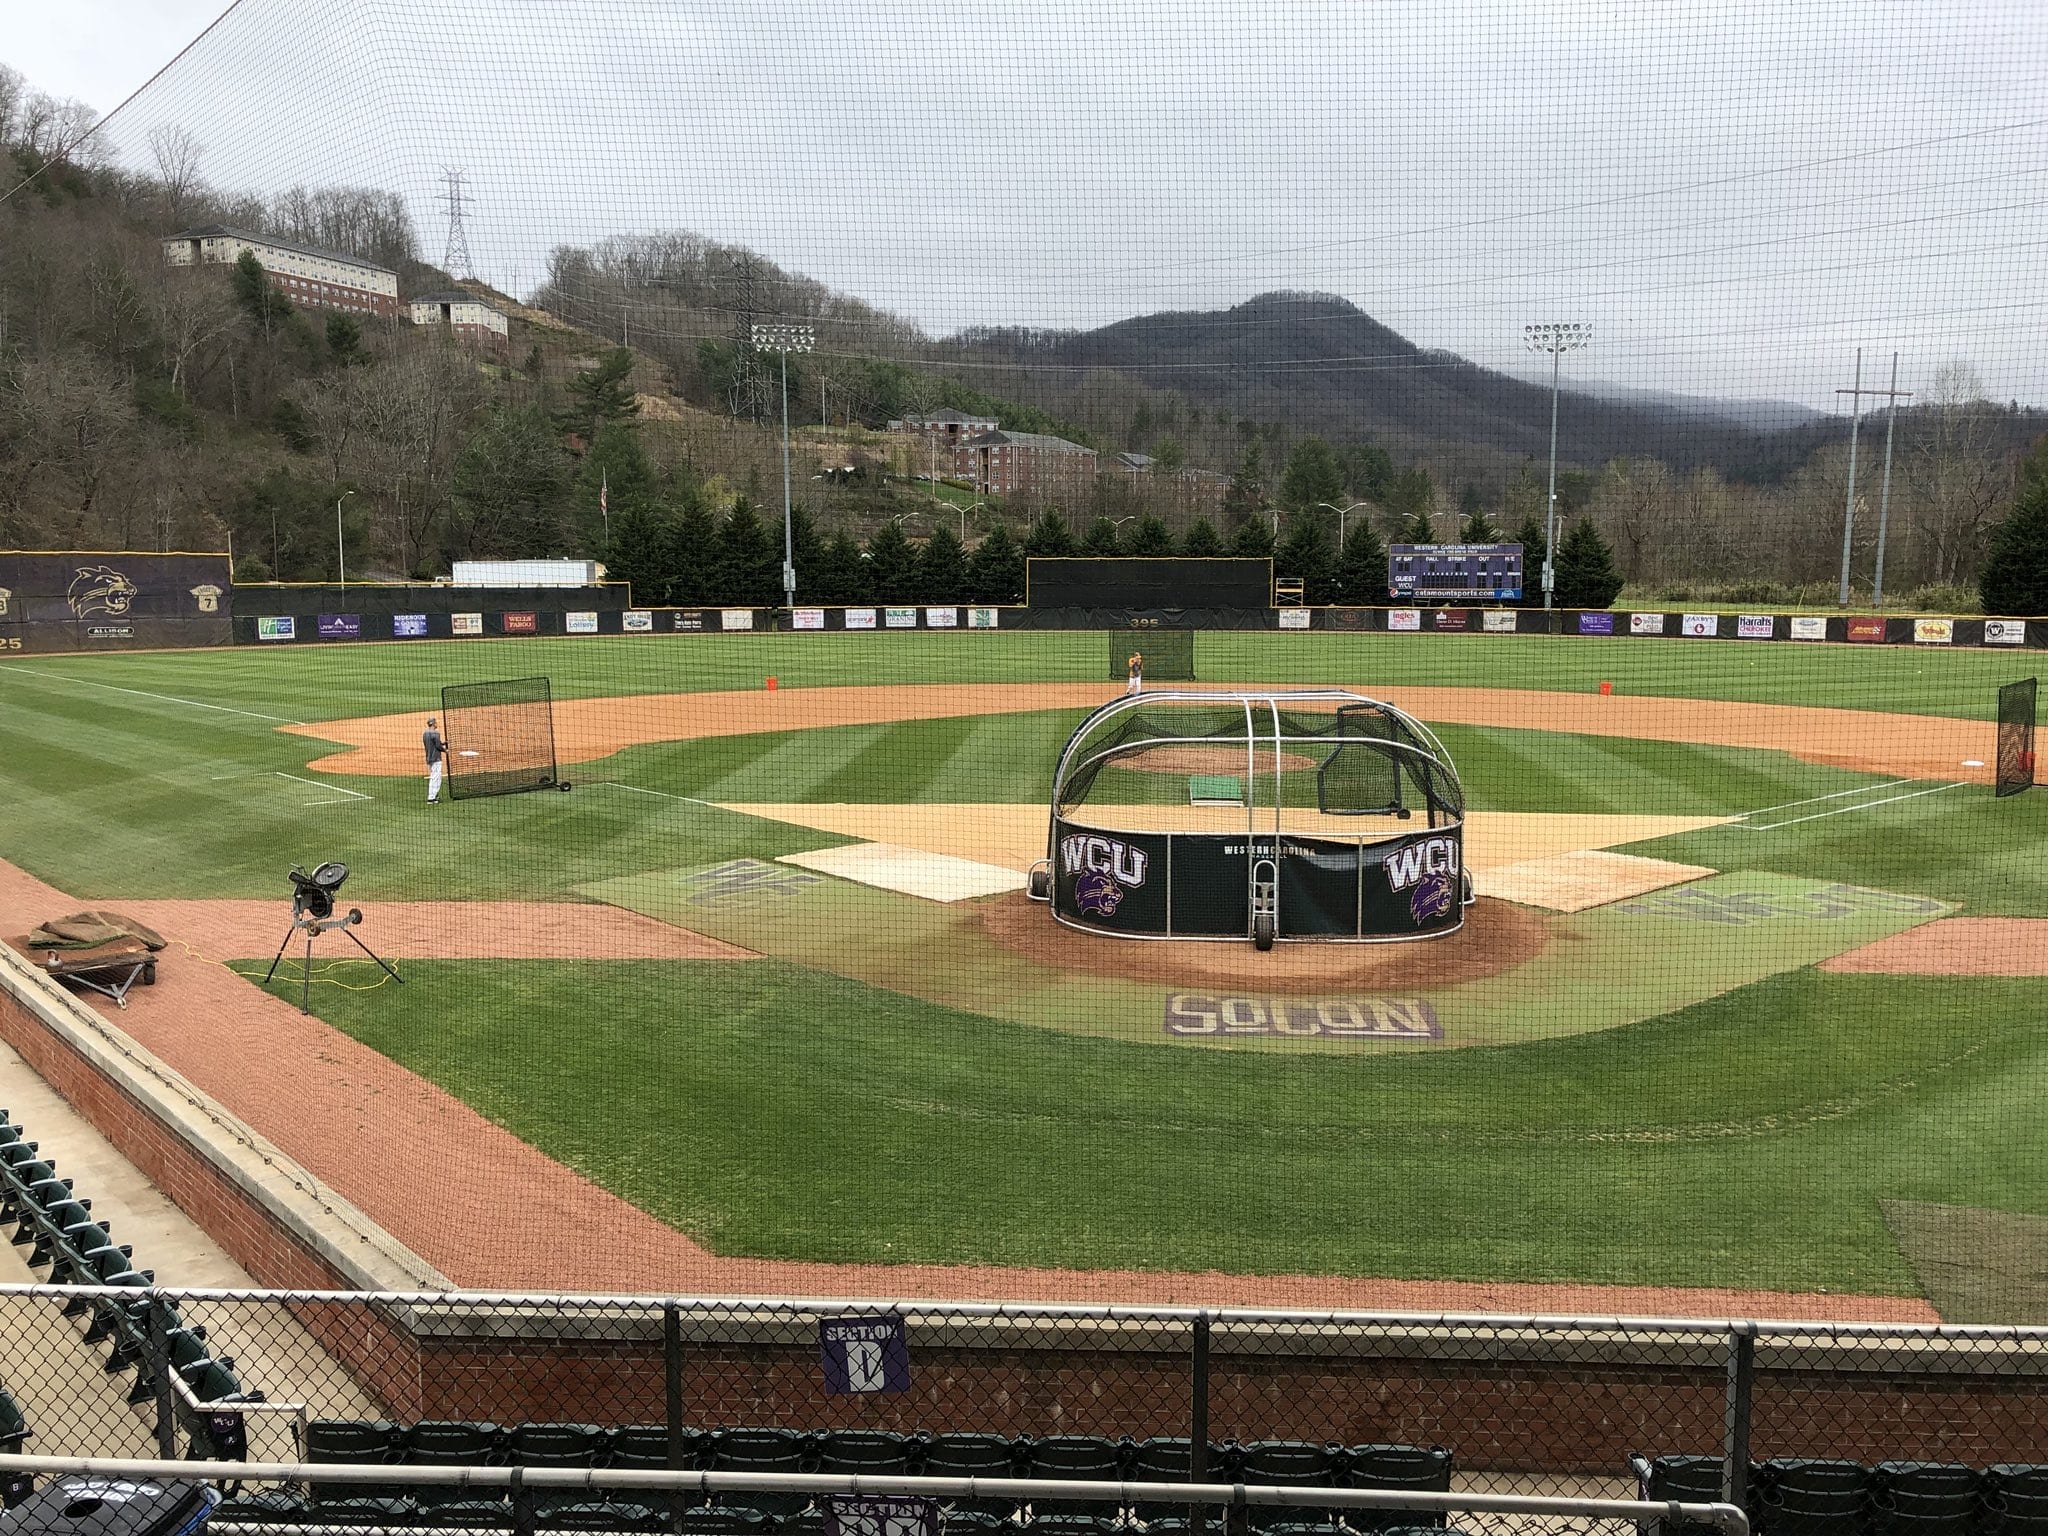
1321, 814
500, 737
1273, 671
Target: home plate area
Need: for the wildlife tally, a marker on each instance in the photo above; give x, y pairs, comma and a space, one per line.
913, 871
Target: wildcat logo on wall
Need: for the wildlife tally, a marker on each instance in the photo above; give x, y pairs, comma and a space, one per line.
100, 589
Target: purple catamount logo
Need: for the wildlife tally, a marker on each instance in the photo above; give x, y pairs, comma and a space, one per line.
1098, 892
1432, 897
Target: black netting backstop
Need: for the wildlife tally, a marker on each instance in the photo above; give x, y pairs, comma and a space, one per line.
2016, 735
500, 735
1166, 655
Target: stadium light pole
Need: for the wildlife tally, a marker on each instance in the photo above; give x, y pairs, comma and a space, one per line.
1341, 513
340, 553
785, 339
1556, 337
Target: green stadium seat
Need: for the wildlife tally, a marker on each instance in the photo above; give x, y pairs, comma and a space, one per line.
2015, 1500
845, 1452
1079, 1458
1425, 1469
1294, 1463
974, 1455
973, 1522
723, 1520
638, 1448
558, 1445
1067, 1521
456, 1443
761, 1450
356, 1442
1811, 1496
1169, 1458
1923, 1498
267, 1506
1689, 1479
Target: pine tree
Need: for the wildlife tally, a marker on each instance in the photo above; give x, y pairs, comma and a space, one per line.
1313, 476
942, 567
1149, 536
995, 573
602, 394
892, 565
1050, 537
752, 570
842, 573
806, 550
1478, 528
2014, 579
1102, 541
1246, 493
1253, 539
1362, 566
616, 472
1306, 553
1201, 541
258, 296
1586, 577
696, 558
640, 553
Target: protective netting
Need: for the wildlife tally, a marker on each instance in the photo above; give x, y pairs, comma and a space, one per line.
2016, 704
725, 364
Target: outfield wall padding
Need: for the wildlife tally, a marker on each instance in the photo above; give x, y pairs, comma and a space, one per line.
111, 600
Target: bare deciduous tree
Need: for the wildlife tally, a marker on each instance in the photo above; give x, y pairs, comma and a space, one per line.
176, 156
1960, 480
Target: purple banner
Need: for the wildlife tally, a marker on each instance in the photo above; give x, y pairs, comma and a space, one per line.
866, 1515
341, 626
1596, 623
864, 1354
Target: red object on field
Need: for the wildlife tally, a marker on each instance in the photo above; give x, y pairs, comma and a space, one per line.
1606, 689
771, 685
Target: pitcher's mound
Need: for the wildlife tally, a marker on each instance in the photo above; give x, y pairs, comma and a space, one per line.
1497, 936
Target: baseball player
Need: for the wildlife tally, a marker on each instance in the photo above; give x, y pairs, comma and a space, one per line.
1136, 668
436, 750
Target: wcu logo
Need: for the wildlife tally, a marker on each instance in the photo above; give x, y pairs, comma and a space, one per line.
1429, 856
1082, 854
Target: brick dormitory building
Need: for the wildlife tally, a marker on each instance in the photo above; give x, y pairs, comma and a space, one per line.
305, 274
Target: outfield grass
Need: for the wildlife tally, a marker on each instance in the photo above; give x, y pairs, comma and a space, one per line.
1743, 1142
326, 682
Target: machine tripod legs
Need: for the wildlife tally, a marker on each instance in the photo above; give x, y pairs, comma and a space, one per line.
313, 928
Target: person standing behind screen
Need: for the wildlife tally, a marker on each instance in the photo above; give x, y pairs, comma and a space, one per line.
1136, 668
436, 749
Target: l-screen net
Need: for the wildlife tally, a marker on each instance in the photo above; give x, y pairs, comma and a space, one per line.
500, 737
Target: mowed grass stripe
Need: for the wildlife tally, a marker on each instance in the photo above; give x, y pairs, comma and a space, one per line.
1746, 1141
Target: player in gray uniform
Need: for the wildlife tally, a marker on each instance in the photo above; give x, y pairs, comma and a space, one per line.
436, 750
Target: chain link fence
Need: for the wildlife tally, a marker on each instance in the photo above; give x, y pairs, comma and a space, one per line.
1816, 1430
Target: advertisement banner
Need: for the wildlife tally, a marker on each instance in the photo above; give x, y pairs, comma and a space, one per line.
1418, 887
340, 626
1646, 623
1451, 620
1866, 631
1118, 880
1933, 631
1347, 618
1294, 618
942, 618
285, 628
1755, 626
1700, 626
579, 623
1596, 623
899, 618
1500, 621
636, 621
408, 626
465, 623
54, 600
730, 619
1404, 618
982, 618
1809, 626
688, 620
860, 618
2005, 631
520, 623
806, 618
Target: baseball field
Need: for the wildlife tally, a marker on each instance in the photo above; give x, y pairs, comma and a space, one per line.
1752, 998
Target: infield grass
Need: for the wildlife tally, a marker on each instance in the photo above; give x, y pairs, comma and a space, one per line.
1746, 1141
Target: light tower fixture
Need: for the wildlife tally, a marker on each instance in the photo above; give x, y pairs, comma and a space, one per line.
1556, 337
785, 339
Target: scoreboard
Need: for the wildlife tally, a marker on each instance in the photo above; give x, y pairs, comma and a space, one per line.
1491, 571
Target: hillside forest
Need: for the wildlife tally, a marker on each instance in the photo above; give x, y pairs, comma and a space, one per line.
150, 406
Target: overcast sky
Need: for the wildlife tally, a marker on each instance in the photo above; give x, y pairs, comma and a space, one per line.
1736, 193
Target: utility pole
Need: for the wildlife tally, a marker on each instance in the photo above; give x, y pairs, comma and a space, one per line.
1884, 500
1556, 338
1855, 395
785, 339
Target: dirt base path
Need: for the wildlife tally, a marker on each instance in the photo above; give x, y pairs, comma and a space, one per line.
1905, 746
1955, 946
322, 1098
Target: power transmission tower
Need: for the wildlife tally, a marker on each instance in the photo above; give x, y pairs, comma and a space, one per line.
749, 391
455, 258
